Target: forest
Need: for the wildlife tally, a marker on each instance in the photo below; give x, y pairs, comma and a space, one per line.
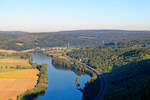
71, 64
125, 64
79, 38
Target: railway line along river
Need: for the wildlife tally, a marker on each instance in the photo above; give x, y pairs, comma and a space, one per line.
61, 83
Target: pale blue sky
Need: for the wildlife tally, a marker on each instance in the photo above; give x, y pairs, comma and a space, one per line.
56, 15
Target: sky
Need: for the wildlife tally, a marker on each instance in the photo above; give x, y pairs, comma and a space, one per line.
58, 15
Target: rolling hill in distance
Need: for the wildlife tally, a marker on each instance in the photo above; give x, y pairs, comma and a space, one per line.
13, 32
93, 31
76, 38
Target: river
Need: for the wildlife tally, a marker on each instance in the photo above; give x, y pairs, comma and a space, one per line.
61, 83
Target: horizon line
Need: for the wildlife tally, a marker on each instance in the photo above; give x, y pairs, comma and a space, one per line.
71, 30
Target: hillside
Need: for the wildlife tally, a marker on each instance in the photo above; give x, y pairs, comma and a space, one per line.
13, 32
125, 64
128, 82
81, 38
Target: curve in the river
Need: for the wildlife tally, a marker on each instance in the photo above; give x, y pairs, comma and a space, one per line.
103, 83
61, 83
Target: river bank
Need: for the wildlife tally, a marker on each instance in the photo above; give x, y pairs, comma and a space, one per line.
41, 85
60, 81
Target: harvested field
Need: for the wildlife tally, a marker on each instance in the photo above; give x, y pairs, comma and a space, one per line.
19, 44
17, 82
26, 73
12, 62
11, 88
28, 50
7, 51
64, 57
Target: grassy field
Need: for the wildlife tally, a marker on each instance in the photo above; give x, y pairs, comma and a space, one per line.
64, 57
13, 63
19, 44
7, 51
26, 73
28, 50
16, 82
16, 74
146, 57
6, 70
58, 52
55, 52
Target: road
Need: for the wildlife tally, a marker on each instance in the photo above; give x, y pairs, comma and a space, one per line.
103, 82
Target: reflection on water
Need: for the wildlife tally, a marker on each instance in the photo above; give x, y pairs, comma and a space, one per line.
61, 82
34, 96
77, 72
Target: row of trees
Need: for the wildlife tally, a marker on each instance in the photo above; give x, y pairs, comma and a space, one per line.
17, 56
71, 64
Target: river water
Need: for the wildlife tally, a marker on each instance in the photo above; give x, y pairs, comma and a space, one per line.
61, 83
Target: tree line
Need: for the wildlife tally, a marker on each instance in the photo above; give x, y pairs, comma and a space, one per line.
41, 84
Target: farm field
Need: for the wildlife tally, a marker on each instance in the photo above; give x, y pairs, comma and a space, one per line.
16, 82
7, 51
14, 62
64, 57
146, 57
28, 50
26, 73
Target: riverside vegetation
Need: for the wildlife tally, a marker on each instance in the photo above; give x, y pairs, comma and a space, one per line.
125, 64
62, 61
15, 68
40, 87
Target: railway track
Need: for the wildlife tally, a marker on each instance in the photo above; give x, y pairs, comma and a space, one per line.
103, 82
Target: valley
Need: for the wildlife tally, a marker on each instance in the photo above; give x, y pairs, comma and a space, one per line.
97, 66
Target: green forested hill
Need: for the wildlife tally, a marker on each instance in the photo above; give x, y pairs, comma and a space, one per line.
104, 57
128, 82
125, 64
81, 38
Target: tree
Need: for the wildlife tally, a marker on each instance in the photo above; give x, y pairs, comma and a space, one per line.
77, 79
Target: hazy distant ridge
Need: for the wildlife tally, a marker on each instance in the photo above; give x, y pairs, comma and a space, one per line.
97, 32
13, 32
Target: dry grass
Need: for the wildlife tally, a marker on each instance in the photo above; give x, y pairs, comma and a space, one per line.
17, 82
64, 57
14, 62
7, 51
26, 73
28, 50
51, 52
86, 37
19, 44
